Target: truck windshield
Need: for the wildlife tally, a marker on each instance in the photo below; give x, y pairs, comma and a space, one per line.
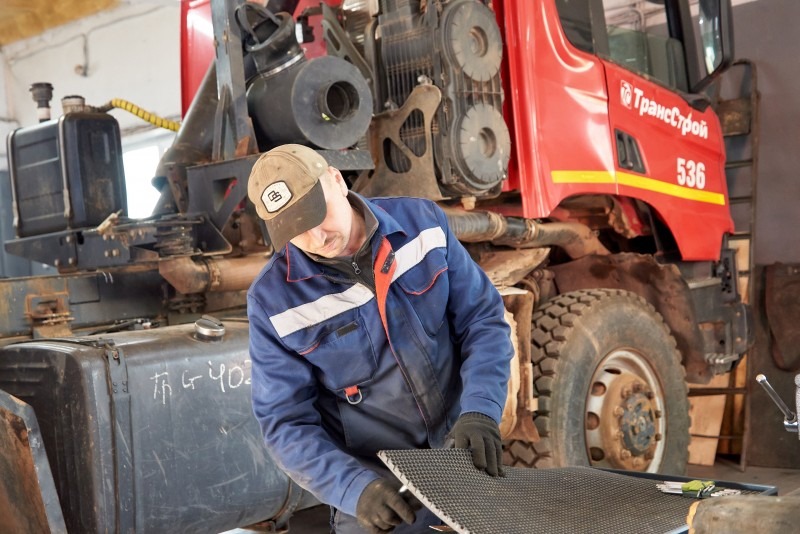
679, 43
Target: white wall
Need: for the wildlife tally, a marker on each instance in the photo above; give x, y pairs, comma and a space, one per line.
131, 52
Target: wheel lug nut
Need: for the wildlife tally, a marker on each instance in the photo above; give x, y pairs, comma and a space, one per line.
625, 454
637, 461
637, 387
657, 413
619, 411
625, 392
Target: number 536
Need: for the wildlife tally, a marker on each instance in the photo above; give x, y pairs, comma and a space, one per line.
691, 173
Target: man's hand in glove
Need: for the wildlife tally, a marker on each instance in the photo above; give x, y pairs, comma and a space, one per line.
480, 434
381, 507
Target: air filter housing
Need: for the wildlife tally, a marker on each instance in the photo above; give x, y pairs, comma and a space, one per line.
460, 51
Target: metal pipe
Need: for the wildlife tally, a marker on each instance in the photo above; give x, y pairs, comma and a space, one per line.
195, 137
790, 422
577, 240
192, 145
190, 276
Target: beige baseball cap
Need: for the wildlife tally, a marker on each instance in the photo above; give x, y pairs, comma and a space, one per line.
285, 188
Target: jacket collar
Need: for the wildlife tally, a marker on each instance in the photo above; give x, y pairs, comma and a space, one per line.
300, 267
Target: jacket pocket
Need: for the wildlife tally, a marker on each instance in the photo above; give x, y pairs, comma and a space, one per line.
427, 289
343, 357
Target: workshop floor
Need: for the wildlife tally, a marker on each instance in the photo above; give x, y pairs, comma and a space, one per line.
315, 520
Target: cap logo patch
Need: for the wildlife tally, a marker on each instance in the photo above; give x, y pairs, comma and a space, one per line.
276, 196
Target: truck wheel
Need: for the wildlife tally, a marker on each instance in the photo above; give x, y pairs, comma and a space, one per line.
610, 384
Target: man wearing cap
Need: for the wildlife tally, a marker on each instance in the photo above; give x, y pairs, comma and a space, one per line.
371, 328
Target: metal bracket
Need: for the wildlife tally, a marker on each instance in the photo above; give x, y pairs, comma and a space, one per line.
232, 105
121, 416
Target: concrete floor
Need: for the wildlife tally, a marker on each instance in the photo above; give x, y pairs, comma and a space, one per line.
315, 520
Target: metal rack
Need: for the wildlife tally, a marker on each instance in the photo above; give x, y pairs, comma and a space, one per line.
735, 98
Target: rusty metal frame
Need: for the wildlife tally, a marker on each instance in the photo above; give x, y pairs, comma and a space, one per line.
28, 498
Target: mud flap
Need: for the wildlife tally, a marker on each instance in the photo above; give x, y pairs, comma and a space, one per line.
28, 498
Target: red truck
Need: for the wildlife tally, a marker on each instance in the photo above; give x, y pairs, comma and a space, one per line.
570, 142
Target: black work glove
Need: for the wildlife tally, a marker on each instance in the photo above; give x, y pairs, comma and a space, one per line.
480, 434
381, 507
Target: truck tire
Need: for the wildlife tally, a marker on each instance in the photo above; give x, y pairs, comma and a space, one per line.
610, 385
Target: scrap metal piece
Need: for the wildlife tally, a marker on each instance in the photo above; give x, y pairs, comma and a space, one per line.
28, 498
564, 500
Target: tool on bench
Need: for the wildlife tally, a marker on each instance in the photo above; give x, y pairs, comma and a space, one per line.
696, 489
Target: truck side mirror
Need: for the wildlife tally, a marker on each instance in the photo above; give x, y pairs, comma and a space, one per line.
714, 28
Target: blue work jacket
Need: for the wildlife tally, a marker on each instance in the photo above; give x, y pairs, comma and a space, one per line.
315, 333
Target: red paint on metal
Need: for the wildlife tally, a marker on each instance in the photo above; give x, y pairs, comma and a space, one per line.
562, 105
697, 226
197, 47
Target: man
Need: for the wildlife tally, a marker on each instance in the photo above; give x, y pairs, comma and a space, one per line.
370, 328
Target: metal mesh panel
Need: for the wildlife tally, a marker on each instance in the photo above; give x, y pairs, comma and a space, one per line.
564, 500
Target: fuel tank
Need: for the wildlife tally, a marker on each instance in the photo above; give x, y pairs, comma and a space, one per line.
152, 430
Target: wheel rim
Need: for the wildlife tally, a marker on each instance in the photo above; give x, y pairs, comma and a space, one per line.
624, 421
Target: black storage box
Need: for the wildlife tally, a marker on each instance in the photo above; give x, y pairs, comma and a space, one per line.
66, 173
151, 433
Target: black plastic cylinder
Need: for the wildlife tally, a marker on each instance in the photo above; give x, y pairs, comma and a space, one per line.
325, 102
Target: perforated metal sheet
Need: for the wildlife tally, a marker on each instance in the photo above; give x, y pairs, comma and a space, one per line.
564, 500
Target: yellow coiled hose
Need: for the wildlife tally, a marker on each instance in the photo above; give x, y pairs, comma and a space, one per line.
153, 119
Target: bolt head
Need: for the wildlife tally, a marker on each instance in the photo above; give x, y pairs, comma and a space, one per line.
619, 411
625, 454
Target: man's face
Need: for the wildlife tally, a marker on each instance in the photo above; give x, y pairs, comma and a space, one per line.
332, 237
